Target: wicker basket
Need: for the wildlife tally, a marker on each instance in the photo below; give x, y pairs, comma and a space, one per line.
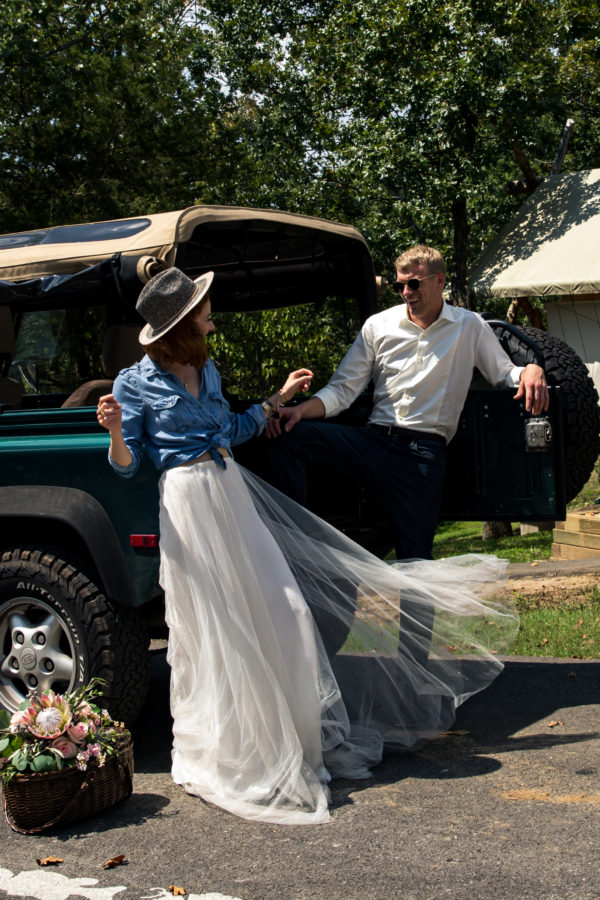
34, 803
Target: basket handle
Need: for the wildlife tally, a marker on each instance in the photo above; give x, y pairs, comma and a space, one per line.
82, 787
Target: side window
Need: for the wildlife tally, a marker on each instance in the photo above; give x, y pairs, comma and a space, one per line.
255, 351
58, 349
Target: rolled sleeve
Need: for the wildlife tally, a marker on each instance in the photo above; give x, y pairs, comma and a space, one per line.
494, 364
351, 376
245, 425
132, 406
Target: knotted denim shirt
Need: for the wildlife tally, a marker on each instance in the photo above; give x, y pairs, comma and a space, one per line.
162, 417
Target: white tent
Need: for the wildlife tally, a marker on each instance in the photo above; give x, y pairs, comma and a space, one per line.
550, 246
551, 249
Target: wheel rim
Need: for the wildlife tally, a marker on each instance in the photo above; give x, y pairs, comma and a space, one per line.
37, 651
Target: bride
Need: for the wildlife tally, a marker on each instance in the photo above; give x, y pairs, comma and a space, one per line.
286, 667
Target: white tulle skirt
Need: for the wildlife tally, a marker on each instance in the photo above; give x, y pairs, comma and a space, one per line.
268, 707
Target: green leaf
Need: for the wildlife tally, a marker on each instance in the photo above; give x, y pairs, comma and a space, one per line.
20, 761
4, 743
4, 719
45, 762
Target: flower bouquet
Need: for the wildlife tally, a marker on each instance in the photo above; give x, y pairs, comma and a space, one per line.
62, 758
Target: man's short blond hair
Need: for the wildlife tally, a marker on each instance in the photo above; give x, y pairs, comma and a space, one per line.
428, 257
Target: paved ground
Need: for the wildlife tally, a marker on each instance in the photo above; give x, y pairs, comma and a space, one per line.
506, 806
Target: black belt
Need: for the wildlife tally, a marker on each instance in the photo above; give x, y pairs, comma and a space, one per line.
409, 434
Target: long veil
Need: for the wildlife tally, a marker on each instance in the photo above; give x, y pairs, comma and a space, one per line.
404, 687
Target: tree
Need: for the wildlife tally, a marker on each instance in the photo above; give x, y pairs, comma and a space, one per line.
105, 113
401, 116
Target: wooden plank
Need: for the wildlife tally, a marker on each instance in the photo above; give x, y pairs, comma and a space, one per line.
568, 551
576, 539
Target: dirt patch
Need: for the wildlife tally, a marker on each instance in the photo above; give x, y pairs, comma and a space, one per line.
551, 590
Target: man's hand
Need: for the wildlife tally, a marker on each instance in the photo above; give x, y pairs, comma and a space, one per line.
534, 389
287, 417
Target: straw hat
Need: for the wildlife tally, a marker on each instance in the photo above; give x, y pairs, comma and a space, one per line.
167, 298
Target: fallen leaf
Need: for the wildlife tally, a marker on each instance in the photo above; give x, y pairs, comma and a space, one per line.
554, 723
176, 891
533, 564
115, 861
545, 640
49, 861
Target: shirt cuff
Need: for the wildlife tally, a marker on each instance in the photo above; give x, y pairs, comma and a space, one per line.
513, 378
258, 414
123, 470
330, 401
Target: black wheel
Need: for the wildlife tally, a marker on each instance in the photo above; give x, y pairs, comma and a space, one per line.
580, 399
57, 630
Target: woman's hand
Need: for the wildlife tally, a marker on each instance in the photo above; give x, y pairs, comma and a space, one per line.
109, 413
296, 381
110, 417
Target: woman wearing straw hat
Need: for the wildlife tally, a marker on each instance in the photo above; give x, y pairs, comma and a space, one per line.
261, 722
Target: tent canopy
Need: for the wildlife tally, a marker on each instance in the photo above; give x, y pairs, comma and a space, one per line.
550, 246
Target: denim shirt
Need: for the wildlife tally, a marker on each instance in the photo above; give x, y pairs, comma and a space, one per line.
162, 417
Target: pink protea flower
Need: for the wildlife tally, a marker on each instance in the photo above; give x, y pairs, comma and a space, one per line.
48, 716
66, 748
78, 732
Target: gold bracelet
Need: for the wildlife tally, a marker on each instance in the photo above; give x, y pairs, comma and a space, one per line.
280, 395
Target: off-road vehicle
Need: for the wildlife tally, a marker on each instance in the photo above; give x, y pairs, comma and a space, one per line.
79, 546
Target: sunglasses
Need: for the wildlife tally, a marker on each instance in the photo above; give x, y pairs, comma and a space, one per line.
413, 283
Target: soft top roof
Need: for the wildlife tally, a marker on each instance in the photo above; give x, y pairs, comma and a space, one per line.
271, 257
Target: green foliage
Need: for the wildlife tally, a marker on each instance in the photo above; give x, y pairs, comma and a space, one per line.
398, 116
256, 351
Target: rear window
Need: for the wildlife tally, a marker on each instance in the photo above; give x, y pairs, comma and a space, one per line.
58, 349
255, 351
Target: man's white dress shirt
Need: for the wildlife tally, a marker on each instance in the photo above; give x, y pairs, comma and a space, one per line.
421, 376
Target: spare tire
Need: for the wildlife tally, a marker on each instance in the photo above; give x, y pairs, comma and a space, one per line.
580, 399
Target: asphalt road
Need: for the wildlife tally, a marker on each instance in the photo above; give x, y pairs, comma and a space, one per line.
507, 806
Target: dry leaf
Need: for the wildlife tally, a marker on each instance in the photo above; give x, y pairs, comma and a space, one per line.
554, 723
115, 861
534, 564
49, 861
176, 891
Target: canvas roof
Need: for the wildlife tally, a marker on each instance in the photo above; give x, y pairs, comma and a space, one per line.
550, 246
70, 248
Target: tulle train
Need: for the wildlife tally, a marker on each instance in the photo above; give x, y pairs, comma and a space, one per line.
268, 706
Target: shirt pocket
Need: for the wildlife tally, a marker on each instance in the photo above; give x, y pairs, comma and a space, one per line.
170, 413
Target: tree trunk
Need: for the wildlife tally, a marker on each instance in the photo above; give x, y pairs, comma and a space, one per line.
492, 530
458, 279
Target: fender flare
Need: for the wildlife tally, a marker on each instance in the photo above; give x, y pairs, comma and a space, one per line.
83, 514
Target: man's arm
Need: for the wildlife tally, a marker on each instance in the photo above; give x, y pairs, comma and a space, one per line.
497, 367
348, 381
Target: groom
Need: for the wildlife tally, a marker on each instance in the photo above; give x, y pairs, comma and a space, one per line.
420, 356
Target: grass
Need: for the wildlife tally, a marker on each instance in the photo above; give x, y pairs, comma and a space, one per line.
562, 631
565, 625
456, 538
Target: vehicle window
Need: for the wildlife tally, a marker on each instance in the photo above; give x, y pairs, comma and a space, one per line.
58, 349
255, 351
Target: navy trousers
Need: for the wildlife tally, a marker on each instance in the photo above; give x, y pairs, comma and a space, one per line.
406, 473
